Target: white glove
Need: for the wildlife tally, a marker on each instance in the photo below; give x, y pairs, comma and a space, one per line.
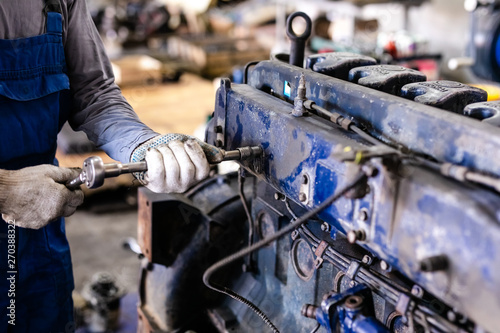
34, 196
173, 167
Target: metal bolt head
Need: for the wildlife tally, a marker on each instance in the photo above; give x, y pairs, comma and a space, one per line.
353, 302
417, 291
367, 260
356, 235
326, 227
363, 215
384, 265
295, 234
302, 197
452, 316
279, 196
352, 284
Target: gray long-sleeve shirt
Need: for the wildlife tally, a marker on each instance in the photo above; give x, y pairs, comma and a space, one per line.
98, 109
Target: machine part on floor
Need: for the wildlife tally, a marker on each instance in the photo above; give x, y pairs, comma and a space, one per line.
103, 296
411, 248
94, 170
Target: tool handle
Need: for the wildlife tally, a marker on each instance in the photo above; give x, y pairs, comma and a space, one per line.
116, 169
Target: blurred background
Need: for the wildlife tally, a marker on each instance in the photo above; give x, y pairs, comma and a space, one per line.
167, 57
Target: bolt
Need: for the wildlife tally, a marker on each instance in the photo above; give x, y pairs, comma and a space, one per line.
326, 227
279, 196
452, 316
353, 302
435, 263
363, 215
356, 235
295, 234
309, 311
367, 260
352, 284
384, 265
370, 170
302, 197
417, 291
218, 129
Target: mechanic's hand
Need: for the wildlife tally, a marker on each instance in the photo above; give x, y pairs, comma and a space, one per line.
34, 196
176, 166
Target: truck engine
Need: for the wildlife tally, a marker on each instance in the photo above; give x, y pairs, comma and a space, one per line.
373, 205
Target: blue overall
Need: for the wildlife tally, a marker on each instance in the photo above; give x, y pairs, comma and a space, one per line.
34, 103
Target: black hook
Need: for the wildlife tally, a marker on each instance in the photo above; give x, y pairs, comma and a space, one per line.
298, 46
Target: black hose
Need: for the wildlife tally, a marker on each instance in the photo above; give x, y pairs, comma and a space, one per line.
243, 252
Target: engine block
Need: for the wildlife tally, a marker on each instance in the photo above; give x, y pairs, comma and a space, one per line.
411, 248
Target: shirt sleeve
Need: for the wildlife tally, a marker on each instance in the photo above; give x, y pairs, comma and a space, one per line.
98, 107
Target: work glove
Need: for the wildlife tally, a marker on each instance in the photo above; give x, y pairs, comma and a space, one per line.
175, 163
34, 196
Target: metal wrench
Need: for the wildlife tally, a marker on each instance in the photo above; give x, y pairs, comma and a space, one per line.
94, 170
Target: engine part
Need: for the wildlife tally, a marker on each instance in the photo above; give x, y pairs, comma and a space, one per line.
447, 95
337, 64
387, 78
489, 112
102, 295
409, 246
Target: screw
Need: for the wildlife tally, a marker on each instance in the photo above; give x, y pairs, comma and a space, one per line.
326, 227
384, 265
417, 291
302, 197
367, 260
356, 235
279, 196
352, 284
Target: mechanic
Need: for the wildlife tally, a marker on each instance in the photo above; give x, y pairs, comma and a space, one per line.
53, 68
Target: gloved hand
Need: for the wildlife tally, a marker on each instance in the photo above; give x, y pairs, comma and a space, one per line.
175, 163
34, 196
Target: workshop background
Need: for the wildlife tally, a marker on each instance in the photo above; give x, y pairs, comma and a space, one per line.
167, 56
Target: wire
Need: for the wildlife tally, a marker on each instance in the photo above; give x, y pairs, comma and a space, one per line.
243, 252
316, 328
251, 223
